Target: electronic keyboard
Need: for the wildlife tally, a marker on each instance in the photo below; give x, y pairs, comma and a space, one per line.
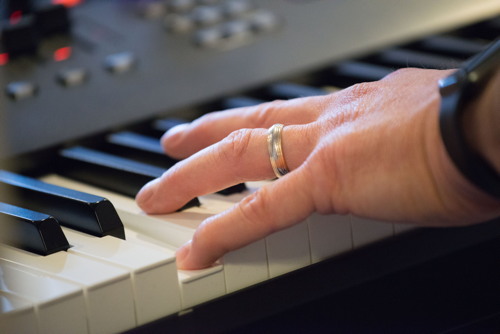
90, 86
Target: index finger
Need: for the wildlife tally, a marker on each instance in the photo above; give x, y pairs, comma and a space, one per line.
273, 207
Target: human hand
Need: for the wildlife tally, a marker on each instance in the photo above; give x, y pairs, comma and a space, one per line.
372, 150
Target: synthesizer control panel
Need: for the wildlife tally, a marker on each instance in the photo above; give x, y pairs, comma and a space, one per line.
73, 68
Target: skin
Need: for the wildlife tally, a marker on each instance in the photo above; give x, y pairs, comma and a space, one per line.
372, 150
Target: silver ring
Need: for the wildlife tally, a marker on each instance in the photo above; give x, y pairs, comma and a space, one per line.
275, 150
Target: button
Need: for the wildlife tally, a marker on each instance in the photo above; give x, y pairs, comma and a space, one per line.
20, 90
234, 8
206, 15
236, 30
22, 6
179, 23
21, 38
208, 37
120, 62
179, 6
72, 77
207, 2
4, 59
53, 19
151, 10
263, 20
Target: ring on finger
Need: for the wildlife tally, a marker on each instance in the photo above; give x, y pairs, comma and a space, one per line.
274, 138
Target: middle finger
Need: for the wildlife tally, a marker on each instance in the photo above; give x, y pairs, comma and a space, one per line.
242, 156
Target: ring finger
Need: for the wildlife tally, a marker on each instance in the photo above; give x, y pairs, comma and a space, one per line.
188, 139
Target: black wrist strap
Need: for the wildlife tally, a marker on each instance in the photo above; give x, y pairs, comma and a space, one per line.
457, 91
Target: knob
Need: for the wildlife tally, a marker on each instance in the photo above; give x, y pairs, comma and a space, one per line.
53, 19
19, 7
21, 37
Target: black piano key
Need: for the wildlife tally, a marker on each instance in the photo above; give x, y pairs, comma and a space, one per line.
240, 101
289, 90
148, 150
488, 30
166, 124
408, 58
135, 140
494, 25
122, 175
237, 188
30, 230
454, 46
348, 73
81, 211
158, 127
138, 147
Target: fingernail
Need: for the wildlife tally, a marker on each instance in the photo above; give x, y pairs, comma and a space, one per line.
174, 133
178, 128
146, 193
173, 136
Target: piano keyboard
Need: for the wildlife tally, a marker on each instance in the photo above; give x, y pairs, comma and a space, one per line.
104, 284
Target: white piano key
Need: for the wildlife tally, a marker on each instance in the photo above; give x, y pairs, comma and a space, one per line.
366, 231
196, 286
59, 305
329, 235
288, 249
199, 286
108, 289
142, 239
247, 266
17, 314
175, 229
153, 272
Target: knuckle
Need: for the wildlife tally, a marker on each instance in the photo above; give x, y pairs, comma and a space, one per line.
266, 112
235, 145
254, 210
363, 89
329, 193
352, 103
